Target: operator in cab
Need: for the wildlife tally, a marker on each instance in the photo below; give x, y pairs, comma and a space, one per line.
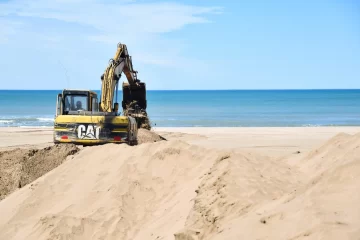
78, 106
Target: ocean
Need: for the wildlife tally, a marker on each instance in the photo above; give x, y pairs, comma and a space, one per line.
223, 108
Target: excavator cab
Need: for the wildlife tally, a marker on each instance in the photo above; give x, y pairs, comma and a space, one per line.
76, 102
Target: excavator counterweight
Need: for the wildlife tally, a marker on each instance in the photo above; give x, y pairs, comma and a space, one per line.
82, 119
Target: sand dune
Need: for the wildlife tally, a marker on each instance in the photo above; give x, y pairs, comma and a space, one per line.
19, 167
176, 190
324, 206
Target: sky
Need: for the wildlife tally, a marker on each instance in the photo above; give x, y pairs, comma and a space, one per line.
182, 45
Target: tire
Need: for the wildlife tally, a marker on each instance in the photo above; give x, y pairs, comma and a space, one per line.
133, 143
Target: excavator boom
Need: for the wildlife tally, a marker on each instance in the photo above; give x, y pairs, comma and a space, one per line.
110, 79
134, 101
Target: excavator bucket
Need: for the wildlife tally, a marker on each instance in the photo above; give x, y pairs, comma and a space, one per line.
134, 103
134, 93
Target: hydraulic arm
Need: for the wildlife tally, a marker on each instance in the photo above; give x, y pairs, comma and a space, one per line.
134, 92
120, 63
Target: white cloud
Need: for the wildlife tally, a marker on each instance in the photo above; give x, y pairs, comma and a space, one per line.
83, 35
121, 16
137, 24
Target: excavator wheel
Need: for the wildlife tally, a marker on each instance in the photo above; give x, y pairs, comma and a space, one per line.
133, 143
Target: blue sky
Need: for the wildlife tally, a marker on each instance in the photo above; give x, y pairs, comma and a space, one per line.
55, 44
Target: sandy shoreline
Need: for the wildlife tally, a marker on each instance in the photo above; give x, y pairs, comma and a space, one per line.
202, 183
275, 141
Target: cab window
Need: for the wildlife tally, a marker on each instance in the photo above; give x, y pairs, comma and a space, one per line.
95, 104
76, 102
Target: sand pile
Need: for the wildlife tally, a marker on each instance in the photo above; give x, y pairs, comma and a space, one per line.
148, 136
20, 167
110, 192
325, 206
234, 186
174, 190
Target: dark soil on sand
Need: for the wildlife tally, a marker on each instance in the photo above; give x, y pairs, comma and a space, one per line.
145, 136
19, 167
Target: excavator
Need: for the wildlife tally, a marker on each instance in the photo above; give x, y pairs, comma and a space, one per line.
81, 118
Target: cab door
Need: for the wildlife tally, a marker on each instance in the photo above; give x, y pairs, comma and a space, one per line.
59, 106
94, 104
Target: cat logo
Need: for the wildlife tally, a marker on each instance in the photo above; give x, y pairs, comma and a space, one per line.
88, 132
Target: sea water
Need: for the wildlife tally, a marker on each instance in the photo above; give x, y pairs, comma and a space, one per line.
228, 108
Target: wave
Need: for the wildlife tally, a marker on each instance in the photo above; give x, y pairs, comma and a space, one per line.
26, 121
45, 119
36, 126
319, 125
6, 121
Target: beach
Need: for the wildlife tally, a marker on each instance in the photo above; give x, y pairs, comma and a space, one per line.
260, 141
272, 141
199, 183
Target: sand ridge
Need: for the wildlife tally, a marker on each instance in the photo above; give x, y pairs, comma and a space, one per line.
145, 136
176, 190
19, 167
323, 206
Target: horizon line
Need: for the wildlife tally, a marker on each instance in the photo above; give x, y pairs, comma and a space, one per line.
245, 89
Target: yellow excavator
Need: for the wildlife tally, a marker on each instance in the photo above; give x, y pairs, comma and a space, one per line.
82, 119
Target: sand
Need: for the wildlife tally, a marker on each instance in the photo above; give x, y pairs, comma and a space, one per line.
145, 136
19, 167
213, 183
